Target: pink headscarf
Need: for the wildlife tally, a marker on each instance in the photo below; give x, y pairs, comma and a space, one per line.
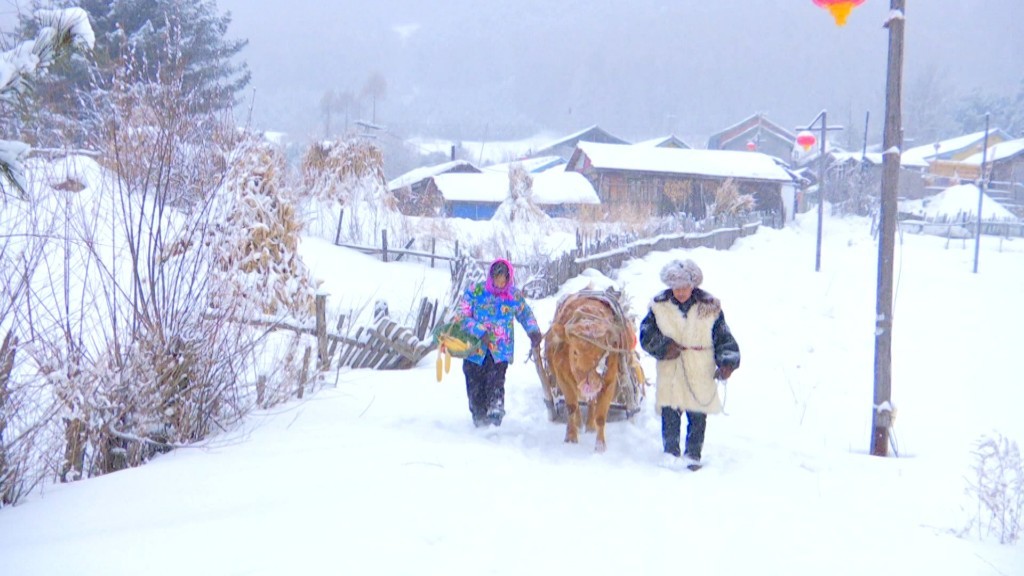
505, 292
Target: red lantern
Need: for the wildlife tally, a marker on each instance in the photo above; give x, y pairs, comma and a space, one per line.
751, 145
840, 9
806, 139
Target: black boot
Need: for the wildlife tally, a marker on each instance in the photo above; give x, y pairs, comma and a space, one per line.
670, 423
696, 423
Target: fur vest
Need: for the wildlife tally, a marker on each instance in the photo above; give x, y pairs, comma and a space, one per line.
688, 382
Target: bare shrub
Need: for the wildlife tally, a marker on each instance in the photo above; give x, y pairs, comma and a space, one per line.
633, 218
729, 200
123, 337
998, 487
25, 409
678, 193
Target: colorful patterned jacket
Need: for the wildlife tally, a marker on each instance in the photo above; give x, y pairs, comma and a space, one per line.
483, 309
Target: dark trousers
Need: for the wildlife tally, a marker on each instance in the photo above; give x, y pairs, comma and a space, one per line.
696, 423
485, 388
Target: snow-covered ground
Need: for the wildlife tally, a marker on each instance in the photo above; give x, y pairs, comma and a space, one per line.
385, 474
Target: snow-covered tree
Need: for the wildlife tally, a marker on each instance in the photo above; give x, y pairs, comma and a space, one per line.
161, 40
57, 32
521, 225
518, 209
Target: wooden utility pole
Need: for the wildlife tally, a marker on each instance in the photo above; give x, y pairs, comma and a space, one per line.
892, 144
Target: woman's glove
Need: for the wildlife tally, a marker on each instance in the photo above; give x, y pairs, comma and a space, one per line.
535, 338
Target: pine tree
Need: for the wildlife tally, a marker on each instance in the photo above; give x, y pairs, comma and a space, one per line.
159, 40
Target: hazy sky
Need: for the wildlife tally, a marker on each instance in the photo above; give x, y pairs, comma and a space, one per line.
642, 68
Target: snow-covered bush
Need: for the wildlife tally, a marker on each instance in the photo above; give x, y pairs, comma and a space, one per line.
349, 176
520, 225
256, 239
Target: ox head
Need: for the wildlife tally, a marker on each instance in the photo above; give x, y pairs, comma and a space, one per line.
590, 340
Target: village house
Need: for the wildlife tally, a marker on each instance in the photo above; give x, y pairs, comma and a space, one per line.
409, 188
1005, 166
941, 163
665, 181
566, 146
756, 134
477, 196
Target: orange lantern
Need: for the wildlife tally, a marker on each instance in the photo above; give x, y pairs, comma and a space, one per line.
840, 9
806, 139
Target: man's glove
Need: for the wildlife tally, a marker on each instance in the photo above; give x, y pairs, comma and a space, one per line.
672, 351
723, 372
535, 338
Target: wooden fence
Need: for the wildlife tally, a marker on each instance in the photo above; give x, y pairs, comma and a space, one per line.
548, 278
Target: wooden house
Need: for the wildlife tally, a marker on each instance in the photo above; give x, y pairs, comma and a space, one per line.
409, 188
849, 170
1005, 166
477, 196
953, 149
668, 180
941, 164
566, 146
756, 134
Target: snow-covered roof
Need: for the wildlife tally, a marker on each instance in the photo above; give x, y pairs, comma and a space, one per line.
1000, 151
422, 173
663, 142
714, 163
870, 157
531, 165
920, 156
548, 187
594, 132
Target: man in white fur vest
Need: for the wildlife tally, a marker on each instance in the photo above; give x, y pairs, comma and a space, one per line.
685, 331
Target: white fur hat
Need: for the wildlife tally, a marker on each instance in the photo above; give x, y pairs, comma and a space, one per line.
682, 273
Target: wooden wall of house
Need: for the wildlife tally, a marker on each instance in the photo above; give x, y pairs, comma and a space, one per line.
647, 192
427, 202
1010, 170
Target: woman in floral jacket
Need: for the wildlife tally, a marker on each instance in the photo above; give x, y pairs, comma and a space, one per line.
486, 310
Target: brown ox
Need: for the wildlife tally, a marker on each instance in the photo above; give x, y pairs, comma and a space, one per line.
584, 348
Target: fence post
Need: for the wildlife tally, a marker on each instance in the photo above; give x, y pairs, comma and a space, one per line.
261, 390
305, 373
321, 332
337, 235
433, 250
384, 245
